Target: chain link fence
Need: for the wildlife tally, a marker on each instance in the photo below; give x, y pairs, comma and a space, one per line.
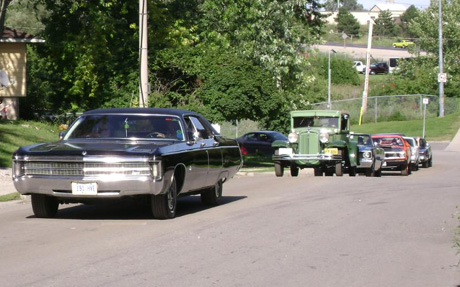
392, 108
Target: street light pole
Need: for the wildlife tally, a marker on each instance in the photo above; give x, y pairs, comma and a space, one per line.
329, 80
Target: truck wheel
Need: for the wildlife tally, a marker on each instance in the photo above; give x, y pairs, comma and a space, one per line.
338, 169
370, 172
279, 169
352, 171
164, 205
425, 164
44, 206
213, 195
294, 171
405, 170
430, 162
378, 173
318, 171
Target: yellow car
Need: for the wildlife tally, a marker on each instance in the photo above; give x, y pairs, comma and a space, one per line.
402, 44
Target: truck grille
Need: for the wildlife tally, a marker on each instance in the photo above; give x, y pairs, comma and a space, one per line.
309, 143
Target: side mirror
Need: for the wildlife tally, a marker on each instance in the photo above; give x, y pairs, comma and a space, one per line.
62, 134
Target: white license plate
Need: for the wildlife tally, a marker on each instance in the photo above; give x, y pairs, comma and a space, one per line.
84, 188
287, 151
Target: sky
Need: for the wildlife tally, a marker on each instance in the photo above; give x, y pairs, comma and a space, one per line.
419, 4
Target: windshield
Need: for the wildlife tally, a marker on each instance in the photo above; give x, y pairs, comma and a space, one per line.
364, 140
388, 141
325, 122
411, 141
126, 126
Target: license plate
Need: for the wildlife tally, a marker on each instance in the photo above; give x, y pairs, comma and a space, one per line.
384, 164
331, 150
84, 188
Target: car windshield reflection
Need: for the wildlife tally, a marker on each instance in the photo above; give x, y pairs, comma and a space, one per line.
126, 126
325, 122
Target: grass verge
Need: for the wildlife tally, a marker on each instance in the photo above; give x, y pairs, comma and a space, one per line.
10, 197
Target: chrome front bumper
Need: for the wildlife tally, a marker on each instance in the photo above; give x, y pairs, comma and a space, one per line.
308, 157
106, 187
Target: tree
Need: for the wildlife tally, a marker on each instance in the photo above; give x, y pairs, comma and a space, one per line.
3, 7
406, 17
350, 5
347, 23
425, 27
384, 24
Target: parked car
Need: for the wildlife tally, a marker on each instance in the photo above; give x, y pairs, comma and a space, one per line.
145, 153
402, 44
359, 66
319, 140
260, 142
378, 68
370, 156
415, 157
397, 152
425, 152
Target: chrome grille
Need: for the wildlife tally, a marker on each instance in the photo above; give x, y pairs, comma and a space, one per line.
86, 168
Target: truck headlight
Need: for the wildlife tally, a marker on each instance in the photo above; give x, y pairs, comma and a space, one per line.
324, 136
402, 154
293, 137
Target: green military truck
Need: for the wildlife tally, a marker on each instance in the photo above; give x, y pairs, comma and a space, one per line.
319, 139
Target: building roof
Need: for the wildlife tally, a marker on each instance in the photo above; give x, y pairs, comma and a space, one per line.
15, 36
389, 6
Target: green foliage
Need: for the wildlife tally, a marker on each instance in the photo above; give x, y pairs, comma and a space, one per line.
425, 27
384, 24
406, 18
347, 23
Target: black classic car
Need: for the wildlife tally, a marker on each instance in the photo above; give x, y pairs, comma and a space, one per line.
260, 142
147, 153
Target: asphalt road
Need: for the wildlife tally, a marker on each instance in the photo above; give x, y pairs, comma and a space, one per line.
306, 231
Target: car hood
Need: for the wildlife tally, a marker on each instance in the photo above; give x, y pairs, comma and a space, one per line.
93, 147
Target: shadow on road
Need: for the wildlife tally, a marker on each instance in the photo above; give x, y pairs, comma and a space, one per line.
129, 209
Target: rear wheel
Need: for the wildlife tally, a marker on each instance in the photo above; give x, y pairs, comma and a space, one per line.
294, 171
213, 195
44, 206
164, 205
338, 169
318, 171
279, 169
352, 171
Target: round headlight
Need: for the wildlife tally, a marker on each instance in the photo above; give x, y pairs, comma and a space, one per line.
324, 137
293, 137
367, 154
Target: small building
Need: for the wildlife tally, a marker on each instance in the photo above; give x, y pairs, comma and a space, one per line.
363, 16
13, 66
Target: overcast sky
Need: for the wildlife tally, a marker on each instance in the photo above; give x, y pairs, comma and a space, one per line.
419, 4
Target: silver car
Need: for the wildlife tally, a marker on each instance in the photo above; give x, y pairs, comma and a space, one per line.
415, 156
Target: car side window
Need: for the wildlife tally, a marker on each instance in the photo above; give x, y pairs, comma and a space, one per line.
194, 125
263, 137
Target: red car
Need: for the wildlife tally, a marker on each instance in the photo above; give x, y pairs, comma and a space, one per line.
397, 152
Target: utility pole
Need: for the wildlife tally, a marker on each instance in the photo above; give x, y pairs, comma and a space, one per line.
441, 76
366, 76
144, 87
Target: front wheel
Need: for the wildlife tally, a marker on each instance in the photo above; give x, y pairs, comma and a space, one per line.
44, 206
318, 171
213, 195
164, 205
279, 169
405, 170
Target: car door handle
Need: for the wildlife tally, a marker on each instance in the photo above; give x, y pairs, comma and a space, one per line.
202, 144
215, 144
